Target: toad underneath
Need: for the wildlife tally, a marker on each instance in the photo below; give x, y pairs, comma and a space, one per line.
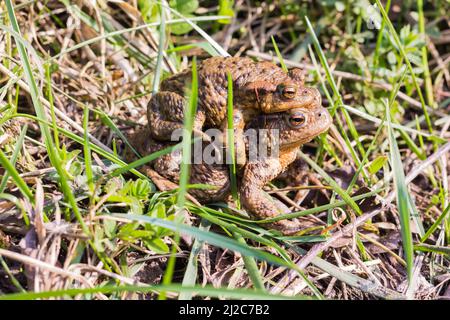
293, 128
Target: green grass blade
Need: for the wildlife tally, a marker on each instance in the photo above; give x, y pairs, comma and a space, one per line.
187, 134
108, 122
435, 224
435, 249
11, 170
207, 37
426, 70
408, 63
14, 157
209, 237
127, 30
250, 235
230, 133
107, 155
189, 115
280, 57
318, 209
379, 40
339, 101
296, 214
336, 188
52, 105
144, 160
201, 291
394, 125
40, 112
87, 152
190, 275
11, 276
251, 267
162, 40
402, 196
220, 241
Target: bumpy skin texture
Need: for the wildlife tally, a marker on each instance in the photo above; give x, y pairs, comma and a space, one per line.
258, 87
295, 127
259, 172
168, 166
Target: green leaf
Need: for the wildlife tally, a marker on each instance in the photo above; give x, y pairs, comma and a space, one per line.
157, 245
110, 227
377, 164
159, 211
135, 205
181, 28
140, 188
184, 6
149, 10
226, 9
340, 6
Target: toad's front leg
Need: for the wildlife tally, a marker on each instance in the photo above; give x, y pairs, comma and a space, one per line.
258, 202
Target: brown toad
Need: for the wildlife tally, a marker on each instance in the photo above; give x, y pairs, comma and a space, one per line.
293, 128
258, 87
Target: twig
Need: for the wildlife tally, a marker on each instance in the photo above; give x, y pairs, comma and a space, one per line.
44, 265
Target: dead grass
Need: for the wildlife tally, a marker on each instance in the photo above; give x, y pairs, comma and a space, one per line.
42, 245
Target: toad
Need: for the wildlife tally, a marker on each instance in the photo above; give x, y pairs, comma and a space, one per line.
258, 87
293, 128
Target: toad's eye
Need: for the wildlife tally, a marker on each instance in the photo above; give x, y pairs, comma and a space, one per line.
288, 92
296, 120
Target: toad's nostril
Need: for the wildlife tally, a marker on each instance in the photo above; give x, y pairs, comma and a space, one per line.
322, 113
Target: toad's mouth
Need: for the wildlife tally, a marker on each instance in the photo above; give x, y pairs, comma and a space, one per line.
322, 123
298, 143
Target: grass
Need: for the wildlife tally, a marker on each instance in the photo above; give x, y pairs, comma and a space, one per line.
205, 291
403, 197
70, 99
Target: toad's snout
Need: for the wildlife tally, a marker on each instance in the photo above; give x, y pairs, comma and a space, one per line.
310, 97
322, 113
323, 118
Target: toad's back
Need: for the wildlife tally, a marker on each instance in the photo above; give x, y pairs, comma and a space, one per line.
212, 78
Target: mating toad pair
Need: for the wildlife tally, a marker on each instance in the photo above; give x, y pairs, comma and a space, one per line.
264, 97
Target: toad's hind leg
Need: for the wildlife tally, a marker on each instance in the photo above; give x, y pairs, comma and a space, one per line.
165, 113
258, 202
